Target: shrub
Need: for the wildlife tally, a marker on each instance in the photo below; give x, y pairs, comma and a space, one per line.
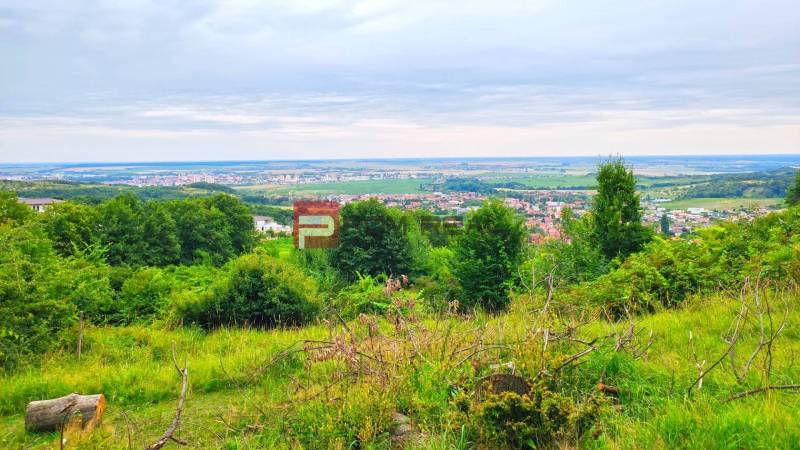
11, 210
32, 319
539, 419
439, 286
143, 295
257, 290
371, 295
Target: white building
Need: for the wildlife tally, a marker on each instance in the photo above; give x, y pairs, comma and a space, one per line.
264, 224
39, 204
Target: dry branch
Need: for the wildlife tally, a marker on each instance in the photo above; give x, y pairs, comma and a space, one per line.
169, 434
762, 389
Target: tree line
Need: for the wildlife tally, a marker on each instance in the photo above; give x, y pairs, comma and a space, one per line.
197, 262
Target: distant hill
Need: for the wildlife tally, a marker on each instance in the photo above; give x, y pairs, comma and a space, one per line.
773, 183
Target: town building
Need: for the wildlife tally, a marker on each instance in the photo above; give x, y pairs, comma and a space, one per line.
39, 204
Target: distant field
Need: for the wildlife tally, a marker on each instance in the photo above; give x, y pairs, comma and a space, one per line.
347, 187
544, 181
723, 203
554, 181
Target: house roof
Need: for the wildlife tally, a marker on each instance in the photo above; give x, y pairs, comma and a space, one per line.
38, 201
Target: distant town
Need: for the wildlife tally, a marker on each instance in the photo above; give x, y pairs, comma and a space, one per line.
674, 189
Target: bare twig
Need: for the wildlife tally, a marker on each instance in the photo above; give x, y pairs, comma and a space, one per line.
80, 337
762, 389
737, 329
168, 435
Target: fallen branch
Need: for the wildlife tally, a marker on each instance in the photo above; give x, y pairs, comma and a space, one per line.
168, 435
762, 389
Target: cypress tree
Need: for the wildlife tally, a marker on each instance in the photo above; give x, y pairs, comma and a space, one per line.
617, 213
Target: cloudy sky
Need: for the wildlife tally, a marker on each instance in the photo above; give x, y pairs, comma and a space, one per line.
130, 80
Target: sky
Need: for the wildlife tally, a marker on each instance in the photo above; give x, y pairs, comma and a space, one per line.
172, 80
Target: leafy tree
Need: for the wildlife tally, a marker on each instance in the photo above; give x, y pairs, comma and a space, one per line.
239, 220
160, 235
793, 193
373, 241
617, 214
436, 230
203, 232
11, 210
488, 254
120, 228
71, 226
665, 225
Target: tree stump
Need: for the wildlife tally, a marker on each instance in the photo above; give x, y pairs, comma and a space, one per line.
51, 415
499, 383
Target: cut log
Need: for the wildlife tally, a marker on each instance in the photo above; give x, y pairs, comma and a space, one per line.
50, 415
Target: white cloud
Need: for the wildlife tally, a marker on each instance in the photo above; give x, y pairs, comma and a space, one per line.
433, 77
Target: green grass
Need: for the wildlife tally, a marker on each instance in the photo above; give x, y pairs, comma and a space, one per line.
244, 396
723, 203
544, 181
345, 187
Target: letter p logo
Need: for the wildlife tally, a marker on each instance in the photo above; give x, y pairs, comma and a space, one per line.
316, 224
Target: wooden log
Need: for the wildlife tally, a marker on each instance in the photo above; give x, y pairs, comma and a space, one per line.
50, 415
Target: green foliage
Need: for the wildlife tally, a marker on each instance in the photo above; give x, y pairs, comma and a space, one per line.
665, 225
239, 222
487, 255
33, 318
155, 233
373, 241
160, 242
144, 295
575, 259
71, 226
211, 187
437, 231
774, 183
316, 263
536, 420
666, 272
120, 228
440, 286
11, 210
366, 295
793, 193
256, 290
281, 215
617, 214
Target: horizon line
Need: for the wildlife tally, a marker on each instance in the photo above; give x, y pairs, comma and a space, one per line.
403, 158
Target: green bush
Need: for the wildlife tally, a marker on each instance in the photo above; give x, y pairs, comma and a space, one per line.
539, 419
144, 295
439, 286
33, 318
256, 290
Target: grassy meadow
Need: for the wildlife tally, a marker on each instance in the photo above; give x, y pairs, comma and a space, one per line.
336, 385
